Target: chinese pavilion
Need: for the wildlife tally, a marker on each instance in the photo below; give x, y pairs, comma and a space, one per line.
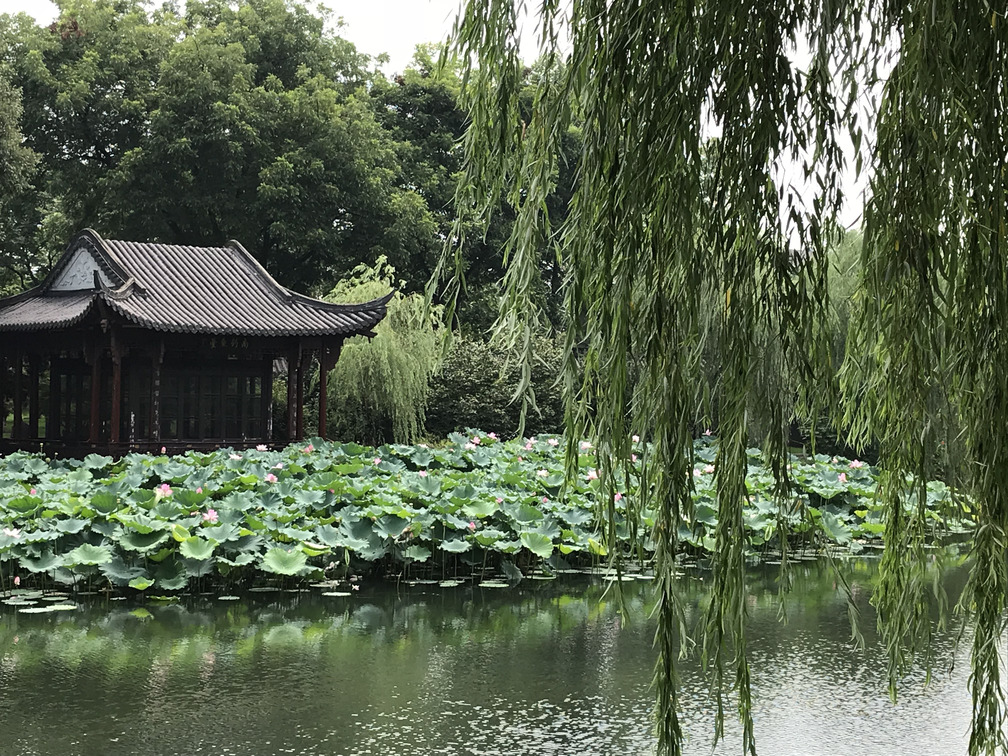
134, 346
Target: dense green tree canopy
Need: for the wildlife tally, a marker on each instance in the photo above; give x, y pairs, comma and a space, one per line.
17, 166
250, 121
674, 238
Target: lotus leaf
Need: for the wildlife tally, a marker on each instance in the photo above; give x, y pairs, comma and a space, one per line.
47, 561
198, 568
537, 543
197, 548
70, 526
141, 584
418, 553
835, 528
240, 560
456, 545
526, 513
104, 503
87, 554
284, 562
488, 536
481, 508
391, 526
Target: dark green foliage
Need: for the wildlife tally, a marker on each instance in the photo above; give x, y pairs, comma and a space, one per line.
248, 121
17, 168
470, 391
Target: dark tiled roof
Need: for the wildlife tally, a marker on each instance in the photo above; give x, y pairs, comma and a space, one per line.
181, 289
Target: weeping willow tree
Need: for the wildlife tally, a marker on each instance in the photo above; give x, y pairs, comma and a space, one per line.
710, 172
378, 389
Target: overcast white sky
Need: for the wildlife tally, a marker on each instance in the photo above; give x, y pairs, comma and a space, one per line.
395, 27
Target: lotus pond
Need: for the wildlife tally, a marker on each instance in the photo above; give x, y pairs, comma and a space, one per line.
473, 508
546, 667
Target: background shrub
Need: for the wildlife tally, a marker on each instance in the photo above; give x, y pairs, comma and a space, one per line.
474, 388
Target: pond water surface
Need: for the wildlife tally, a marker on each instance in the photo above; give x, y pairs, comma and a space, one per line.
544, 668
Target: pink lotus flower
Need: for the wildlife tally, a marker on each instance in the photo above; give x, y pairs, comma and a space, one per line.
164, 490
278, 466
528, 446
842, 477
17, 580
472, 525
210, 516
545, 500
422, 473
633, 457
270, 478
618, 496
835, 460
696, 472
856, 463
377, 461
499, 500
476, 440
12, 532
470, 447
235, 456
707, 432
520, 459
542, 473
308, 449
32, 492
199, 490
636, 438
553, 442
261, 447
708, 469
592, 475
585, 445
492, 435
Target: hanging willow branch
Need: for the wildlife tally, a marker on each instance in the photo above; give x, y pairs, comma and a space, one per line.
686, 231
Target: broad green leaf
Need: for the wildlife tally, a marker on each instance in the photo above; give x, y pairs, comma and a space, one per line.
86, 554
538, 544
284, 562
197, 548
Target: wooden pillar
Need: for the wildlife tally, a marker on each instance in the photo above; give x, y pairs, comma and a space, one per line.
18, 425
94, 434
3, 395
53, 420
155, 405
266, 397
33, 397
323, 391
302, 369
327, 361
116, 418
293, 360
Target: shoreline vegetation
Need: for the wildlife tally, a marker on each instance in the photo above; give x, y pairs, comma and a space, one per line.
474, 508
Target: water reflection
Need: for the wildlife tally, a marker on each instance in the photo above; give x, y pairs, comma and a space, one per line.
546, 668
